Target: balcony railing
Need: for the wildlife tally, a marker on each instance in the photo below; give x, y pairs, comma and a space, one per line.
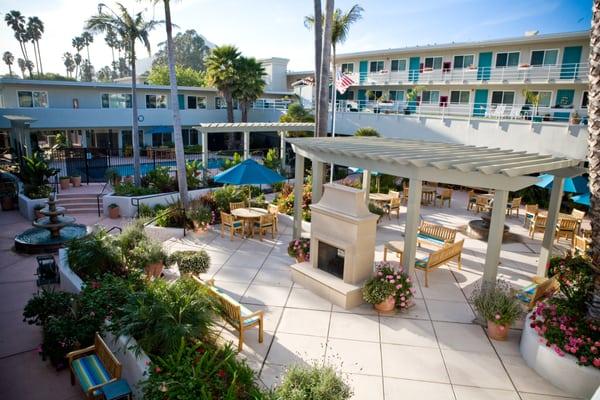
524, 73
471, 110
277, 104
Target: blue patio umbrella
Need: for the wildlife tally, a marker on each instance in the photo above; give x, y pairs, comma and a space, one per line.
583, 199
579, 184
249, 172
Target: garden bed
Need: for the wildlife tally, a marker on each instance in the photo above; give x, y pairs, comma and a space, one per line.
562, 372
127, 209
27, 206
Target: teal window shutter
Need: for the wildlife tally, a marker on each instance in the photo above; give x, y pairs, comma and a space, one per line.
181, 100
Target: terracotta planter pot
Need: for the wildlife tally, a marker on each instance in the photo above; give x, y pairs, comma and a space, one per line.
496, 331
114, 212
8, 203
199, 228
301, 259
154, 270
386, 305
64, 183
76, 181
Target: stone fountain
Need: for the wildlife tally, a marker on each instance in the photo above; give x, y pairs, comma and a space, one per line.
480, 228
51, 231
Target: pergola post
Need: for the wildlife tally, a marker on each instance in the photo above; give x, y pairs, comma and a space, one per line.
317, 181
556, 195
413, 208
282, 135
496, 232
246, 145
204, 135
298, 189
366, 185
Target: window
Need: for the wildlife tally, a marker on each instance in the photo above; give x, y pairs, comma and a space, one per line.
499, 97
116, 100
376, 66
545, 98
347, 68
32, 99
396, 95
430, 96
433, 63
156, 101
507, 59
349, 95
190, 136
161, 139
585, 100
464, 61
459, 97
195, 102
398, 65
221, 104
544, 57
127, 141
374, 94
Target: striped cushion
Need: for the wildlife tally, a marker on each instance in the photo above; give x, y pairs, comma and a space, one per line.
90, 372
245, 312
429, 238
421, 263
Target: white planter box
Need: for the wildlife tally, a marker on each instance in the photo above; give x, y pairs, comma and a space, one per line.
127, 209
562, 372
69, 280
290, 220
135, 367
163, 234
27, 205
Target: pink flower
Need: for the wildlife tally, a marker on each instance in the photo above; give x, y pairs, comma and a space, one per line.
497, 316
398, 286
596, 362
402, 298
403, 304
583, 359
392, 281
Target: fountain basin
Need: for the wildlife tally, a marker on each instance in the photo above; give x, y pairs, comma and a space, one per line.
480, 228
40, 240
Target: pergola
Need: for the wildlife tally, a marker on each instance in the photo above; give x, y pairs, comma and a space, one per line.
247, 127
472, 166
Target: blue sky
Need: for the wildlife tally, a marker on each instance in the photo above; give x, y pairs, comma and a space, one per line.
265, 28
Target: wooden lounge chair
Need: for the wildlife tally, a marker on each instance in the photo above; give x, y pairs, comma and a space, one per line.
265, 223
444, 196
236, 205
579, 216
537, 225
539, 289
440, 257
394, 204
567, 228
229, 222
472, 199
396, 247
94, 367
435, 234
236, 314
531, 211
514, 204
394, 193
274, 211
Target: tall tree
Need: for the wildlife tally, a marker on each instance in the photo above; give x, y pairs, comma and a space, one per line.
22, 66
69, 63
323, 113
250, 83
221, 73
87, 71
35, 30
112, 41
87, 39
318, 27
77, 43
8, 59
130, 28
190, 51
594, 156
16, 21
105, 74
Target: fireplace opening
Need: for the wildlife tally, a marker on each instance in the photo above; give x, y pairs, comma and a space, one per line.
331, 259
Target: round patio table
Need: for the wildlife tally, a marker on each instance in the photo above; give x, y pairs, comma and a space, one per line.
249, 215
380, 197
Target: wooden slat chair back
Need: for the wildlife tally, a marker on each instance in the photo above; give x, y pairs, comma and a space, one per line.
435, 234
394, 193
441, 257
539, 289
265, 223
566, 228
229, 222
445, 196
110, 362
580, 246
274, 211
579, 216
514, 205
537, 225
531, 211
393, 205
471, 199
236, 314
482, 203
405, 195
236, 205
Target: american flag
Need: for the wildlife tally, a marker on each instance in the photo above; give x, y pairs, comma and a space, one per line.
342, 81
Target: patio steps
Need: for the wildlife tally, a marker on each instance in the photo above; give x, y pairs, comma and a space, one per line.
80, 203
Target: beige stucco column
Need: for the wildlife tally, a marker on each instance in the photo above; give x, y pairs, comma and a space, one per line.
204, 136
317, 181
298, 189
282, 136
556, 195
246, 145
496, 233
413, 209
366, 185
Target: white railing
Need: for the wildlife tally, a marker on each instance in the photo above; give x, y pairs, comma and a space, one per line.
470, 110
520, 74
277, 104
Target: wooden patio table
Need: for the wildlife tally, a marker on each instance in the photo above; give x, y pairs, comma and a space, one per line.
249, 215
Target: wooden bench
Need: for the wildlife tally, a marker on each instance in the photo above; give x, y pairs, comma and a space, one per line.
94, 367
539, 289
435, 234
235, 313
440, 257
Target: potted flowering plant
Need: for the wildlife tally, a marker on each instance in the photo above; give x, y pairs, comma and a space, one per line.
149, 256
497, 305
299, 249
201, 217
388, 288
114, 211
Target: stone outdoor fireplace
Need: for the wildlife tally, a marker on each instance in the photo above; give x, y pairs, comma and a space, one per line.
342, 246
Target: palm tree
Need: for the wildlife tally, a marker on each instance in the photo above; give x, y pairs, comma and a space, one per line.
22, 66
77, 43
87, 39
251, 84
69, 63
594, 156
8, 59
29, 65
318, 27
221, 73
325, 61
130, 28
177, 136
112, 41
77, 60
16, 22
35, 29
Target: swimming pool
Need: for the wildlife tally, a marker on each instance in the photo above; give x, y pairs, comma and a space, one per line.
127, 169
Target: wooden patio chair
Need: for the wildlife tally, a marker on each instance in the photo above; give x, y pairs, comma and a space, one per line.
579, 216
514, 204
444, 196
394, 204
538, 224
539, 289
265, 223
567, 228
404, 199
229, 222
472, 199
580, 246
482, 204
274, 211
531, 210
236, 205
394, 193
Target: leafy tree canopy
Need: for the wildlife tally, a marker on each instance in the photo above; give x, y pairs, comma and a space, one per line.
186, 76
190, 51
297, 113
51, 76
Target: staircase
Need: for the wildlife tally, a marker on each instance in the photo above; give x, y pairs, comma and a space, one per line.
82, 203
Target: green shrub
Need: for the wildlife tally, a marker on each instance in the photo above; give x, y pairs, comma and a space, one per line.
200, 372
366, 131
192, 149
132, 234
129, 189
190, 262
377, 290
145, 211
200, 215
145, 253
316, 382
45, 304
191, 173
37, 192
160, 179
232, 162
95, 255
575, 277
112, 175
496, 303
163, 315
35, 170
272, 160
171, 216
229, 194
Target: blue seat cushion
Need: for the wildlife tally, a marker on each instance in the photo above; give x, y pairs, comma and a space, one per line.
245, 312
90, 372
421, 262
429, 238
